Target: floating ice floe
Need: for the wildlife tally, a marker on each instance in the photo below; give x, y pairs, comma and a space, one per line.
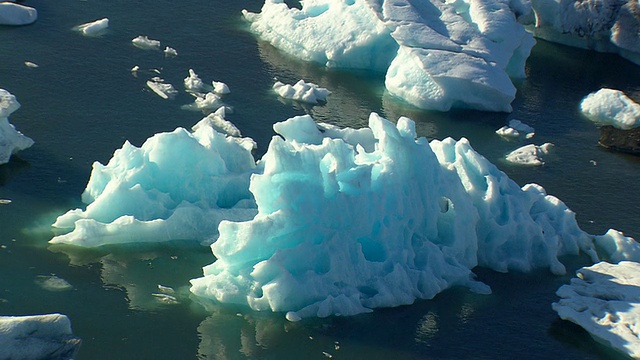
30, 64
301, 91
515, 129
169, 51
529, 154
605, 300
611, 107
11, 140
53, 283
37, 337
162, 89
601, 25
330, 221
436, 55
16, 14
207, 97
143, 42
93, 28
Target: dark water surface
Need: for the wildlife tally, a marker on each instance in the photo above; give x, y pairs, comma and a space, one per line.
82, 103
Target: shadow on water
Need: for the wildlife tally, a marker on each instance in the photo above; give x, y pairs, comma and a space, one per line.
9, 170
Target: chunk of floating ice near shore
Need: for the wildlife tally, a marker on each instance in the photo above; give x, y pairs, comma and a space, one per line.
93, 28
143, 42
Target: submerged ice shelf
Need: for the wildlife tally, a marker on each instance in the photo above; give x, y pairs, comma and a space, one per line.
358, 218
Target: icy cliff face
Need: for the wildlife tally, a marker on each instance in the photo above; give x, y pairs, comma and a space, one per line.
436, 55
601, 25
11, 140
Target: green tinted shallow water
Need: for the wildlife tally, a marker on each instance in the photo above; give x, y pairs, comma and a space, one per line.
82, 103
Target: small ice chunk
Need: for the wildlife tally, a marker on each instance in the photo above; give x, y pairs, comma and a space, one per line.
193, 82
30, 64
293, 316
611, 107
220, 88
5, 201
162, 89
53, 283
217, 121
166, 289
301, 91
529, 154
143, 42
93, 28
169, 51
165, 298
515, 129
16, 14
206, 103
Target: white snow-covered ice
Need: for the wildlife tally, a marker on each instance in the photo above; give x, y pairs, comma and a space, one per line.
11, 140
436, 55
217, 121
143, 42
93, 28
169, 51
17, 14
529, 154
37, 337
329, 221
301, 91
611, 107
600, 25
605, 300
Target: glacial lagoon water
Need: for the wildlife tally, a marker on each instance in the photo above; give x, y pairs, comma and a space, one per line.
82, 103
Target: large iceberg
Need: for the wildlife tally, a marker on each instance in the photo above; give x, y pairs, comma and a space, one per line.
601, 25
605, 300
37, 337
11, 140
436, 55
330, 220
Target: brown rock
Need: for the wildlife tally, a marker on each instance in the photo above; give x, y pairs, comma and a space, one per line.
627, 141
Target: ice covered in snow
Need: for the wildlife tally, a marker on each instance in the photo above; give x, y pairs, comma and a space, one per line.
11, 140
16, 14
601, 25
143, 42
330, 220
301, 91
515, 129
529, 154
193, 83
220, 88
611, 107
93, 28
436, 55
605, 300
177, 185
162, 89
37, 337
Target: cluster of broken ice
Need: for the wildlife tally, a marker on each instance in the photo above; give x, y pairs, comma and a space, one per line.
515, 129
11, 140
208, 98
611, 107
436, 55
605, 300
301, 91
37, 337
601, 25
